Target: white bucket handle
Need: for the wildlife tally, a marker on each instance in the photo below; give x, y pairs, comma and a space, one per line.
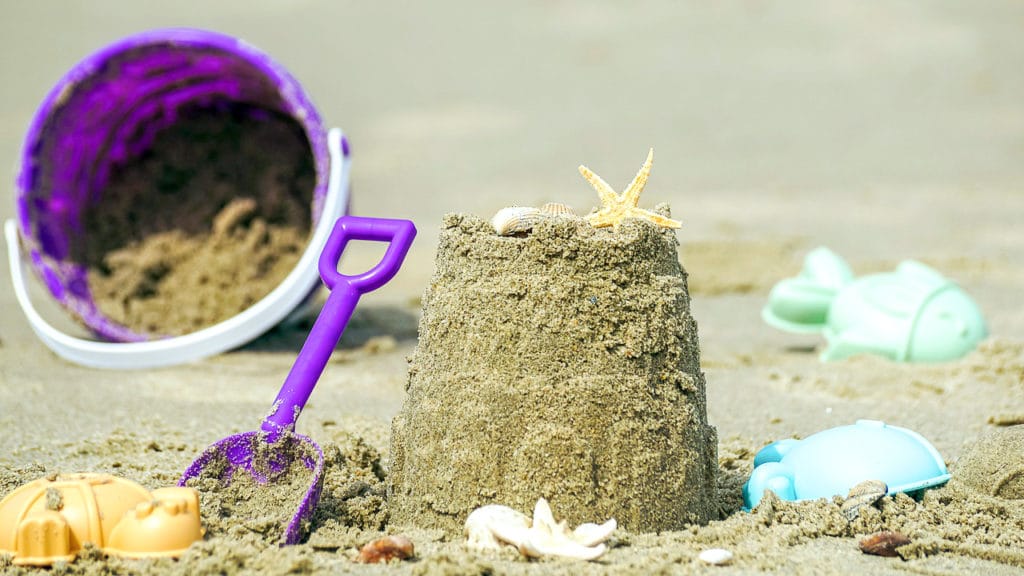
226, 335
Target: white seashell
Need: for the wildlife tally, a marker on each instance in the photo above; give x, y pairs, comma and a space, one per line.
864, 494
549, 538
558, 209
488, 526
542, 515
590, 534
515, 220
537, 545
715, 556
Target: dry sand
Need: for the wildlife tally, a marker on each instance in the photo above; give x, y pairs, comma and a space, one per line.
883, 133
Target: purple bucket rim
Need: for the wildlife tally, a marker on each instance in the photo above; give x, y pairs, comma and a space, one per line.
296, 102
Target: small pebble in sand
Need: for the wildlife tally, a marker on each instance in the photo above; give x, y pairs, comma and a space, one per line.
385, 549
715, 556
883, 543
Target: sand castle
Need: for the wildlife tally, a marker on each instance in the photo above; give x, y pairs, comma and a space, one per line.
560, 362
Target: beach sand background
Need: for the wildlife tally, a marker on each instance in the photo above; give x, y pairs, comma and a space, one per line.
882, 131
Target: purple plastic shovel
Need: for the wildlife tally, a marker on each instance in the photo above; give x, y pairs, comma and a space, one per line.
270, 451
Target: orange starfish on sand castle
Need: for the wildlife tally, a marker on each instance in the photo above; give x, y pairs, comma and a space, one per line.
615, 208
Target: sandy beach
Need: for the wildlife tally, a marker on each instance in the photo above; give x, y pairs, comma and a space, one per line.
883, 132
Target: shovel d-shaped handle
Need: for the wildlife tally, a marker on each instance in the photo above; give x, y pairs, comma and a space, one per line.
337, 310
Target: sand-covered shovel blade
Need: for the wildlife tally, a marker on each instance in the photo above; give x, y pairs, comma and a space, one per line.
262, 468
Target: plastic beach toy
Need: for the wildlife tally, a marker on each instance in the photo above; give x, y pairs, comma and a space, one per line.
253, 452
51, 518
107, 109
913, 314
831, 462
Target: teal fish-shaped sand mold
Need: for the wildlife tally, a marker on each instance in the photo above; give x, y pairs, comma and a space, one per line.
913, 314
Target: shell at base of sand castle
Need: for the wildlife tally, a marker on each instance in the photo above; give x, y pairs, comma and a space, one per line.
489, 526
573, 361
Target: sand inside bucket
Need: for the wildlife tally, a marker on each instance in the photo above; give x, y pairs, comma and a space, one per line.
204, 224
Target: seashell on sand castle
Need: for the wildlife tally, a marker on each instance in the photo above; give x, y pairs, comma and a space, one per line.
562, 364
521, 219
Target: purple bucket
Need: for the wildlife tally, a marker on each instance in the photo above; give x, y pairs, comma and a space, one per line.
107, 110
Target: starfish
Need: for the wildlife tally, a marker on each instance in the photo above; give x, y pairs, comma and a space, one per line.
615, 208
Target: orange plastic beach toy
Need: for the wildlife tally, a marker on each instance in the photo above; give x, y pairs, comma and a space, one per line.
52, 518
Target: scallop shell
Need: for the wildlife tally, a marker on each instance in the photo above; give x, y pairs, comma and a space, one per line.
864, 494
547, 537
558, 210
516, 220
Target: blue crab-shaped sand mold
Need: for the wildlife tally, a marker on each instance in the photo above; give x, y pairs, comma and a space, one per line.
831, 462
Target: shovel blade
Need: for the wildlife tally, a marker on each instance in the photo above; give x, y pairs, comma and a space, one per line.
251, 456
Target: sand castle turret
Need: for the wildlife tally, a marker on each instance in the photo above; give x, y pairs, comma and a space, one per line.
561, 362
